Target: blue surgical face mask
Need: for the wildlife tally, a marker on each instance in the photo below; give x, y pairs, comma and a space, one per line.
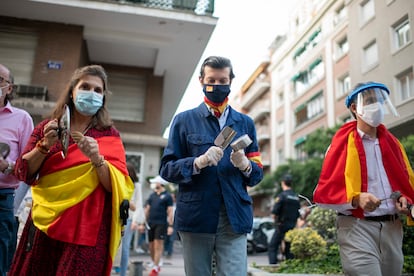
88, 102
216, 93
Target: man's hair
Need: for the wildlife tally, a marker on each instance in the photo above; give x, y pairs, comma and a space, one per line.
287, 178
217, 62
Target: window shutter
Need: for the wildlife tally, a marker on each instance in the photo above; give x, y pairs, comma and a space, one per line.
127, 102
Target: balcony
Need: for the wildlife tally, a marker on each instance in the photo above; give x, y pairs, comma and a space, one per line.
198, 7
257, 90
258, 113
169, 36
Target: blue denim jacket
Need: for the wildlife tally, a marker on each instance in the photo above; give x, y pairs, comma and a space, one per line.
200, 195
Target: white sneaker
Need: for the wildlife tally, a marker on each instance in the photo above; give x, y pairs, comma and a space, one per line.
140, 251
150, 264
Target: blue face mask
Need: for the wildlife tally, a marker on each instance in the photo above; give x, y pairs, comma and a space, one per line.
87, 102
216, 93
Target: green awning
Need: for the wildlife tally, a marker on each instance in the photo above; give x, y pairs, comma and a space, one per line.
315, 63
299, 51
300, 140
317, 95
297, 76
300, 108
314, 34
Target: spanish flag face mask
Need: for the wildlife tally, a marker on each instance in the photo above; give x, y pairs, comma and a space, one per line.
216, 93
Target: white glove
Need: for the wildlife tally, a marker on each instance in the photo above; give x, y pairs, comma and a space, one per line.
210, 158
239, 160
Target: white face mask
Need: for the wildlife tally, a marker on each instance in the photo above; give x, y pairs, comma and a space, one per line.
373, 114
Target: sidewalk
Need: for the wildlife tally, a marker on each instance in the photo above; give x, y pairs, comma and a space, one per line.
174, 266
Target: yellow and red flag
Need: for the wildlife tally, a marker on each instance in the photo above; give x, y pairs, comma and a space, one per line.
344, 171
68, 200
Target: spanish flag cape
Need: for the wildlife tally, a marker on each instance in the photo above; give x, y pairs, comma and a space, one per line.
68, 200
344, 170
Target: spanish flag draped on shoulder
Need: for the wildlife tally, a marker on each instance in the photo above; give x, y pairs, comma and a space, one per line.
344, 171
68, 200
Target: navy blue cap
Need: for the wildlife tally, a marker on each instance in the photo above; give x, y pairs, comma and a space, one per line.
349, 99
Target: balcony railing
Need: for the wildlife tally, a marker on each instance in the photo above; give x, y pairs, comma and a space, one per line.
196, 6
257, 89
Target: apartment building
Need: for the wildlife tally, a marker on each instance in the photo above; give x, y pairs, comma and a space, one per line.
331, 45
382, 50
149, 49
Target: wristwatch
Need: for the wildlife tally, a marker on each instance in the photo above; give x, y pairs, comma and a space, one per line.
9, 168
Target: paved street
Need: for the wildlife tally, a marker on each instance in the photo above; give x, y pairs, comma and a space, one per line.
174, 266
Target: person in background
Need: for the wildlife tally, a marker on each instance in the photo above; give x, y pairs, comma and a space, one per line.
135, 205
16, 125
363, 167
159, 216
22, 198
304, 212
285, 213
75, 225
169, 240
214, 211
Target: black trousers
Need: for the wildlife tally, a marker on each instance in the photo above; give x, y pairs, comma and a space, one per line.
275, 242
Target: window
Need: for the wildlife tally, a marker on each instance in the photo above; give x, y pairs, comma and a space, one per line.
128, 96
136, 159
280, 156
370, 55
313, 107
342, 47
301, 82
299, 149
280, 128
367, 11
316, 71
280, 98
405, 85
340, 14
344, 86
18, 51
401, 33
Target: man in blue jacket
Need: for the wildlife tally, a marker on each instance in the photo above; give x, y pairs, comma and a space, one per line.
214, 211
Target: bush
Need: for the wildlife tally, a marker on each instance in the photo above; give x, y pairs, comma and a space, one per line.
306, 243
323, 221
328, 264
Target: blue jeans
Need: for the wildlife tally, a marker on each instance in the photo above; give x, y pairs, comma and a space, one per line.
126, 244
230, 251
7, 226
169, 243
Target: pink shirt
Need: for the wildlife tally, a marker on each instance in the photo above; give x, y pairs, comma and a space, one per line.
16, 126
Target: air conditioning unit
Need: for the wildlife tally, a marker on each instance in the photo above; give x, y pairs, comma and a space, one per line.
31, 91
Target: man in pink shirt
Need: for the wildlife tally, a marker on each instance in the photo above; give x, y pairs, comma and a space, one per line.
16, 126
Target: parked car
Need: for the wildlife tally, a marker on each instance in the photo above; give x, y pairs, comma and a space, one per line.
261, 234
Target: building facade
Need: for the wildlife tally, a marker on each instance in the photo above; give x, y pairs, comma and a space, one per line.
148, 48
331, 46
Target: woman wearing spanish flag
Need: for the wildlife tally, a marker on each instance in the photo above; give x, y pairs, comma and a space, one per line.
367, 178
75, 225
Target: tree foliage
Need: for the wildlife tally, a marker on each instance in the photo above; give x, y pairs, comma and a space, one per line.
408, 144
318, 141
